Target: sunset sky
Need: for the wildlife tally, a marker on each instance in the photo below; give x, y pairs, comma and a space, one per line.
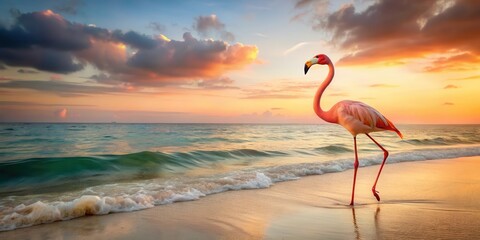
236, 61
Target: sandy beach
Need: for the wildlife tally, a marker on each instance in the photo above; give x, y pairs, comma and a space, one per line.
435, 199
239, 119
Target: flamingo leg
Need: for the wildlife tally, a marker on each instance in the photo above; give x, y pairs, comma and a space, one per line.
355, 165
385, 155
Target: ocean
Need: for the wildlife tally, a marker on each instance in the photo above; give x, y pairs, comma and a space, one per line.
60, 171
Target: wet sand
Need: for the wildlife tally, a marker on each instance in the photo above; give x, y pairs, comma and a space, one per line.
436, 199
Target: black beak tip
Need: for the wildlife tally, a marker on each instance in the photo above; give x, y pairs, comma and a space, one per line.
306, 69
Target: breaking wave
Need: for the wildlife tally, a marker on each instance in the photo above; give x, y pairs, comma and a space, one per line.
132, 196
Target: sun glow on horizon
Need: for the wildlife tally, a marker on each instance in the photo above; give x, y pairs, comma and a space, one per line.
241, 67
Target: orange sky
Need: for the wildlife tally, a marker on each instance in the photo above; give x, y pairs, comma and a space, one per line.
415, 63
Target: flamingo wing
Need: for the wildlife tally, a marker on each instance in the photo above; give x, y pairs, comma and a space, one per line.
358, 117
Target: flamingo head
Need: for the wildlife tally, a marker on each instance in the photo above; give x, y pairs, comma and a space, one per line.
318, 59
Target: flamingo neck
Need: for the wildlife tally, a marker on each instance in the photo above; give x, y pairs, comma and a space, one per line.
316, 102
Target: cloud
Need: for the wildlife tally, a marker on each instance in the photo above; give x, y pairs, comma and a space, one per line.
41, 59
303, 3
45, 41
458, 62
16, 104
316, 8
281, 89
448, 104
338, 94
56, 77
26, 114
218, 83
48, 42
382, 85
62, 113
69, 6
271, 96
21, 70
474, 77
45, 29
135, 39
104, 79
205, 25
392, 30
261, 35
192, 58
450, 86
158, 27
59, 87
267, 113
295, 47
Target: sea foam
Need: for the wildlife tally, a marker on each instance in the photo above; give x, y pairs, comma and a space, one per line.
119, 197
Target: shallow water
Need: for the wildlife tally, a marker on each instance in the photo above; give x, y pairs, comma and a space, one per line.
51, 172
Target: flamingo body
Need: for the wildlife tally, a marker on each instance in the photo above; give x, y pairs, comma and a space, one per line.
356, 117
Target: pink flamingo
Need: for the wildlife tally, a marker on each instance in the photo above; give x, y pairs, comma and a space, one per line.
356, 117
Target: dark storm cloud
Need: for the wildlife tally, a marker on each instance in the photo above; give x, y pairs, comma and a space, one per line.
135, 39
45, 41
394, 30
45, 29
41, 59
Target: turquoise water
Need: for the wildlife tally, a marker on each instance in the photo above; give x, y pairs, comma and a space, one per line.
51, 172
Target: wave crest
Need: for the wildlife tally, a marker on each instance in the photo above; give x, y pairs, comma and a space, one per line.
35, 173
125, 197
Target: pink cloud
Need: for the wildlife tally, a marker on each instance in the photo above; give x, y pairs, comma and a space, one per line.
62, 113
450, 86
52, 43
56, 77
392, 31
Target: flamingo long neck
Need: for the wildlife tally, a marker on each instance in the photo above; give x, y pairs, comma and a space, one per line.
316, 102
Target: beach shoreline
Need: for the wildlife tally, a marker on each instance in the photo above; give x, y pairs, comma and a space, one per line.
434, 199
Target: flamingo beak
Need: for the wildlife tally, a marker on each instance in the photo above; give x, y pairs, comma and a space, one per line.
308, 64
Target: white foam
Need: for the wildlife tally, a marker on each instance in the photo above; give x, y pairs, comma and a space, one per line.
260, 181
136, 196
44, 212
192, 194
282, 173
40, 212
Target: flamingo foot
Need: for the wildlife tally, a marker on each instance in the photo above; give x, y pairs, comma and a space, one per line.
375, 193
